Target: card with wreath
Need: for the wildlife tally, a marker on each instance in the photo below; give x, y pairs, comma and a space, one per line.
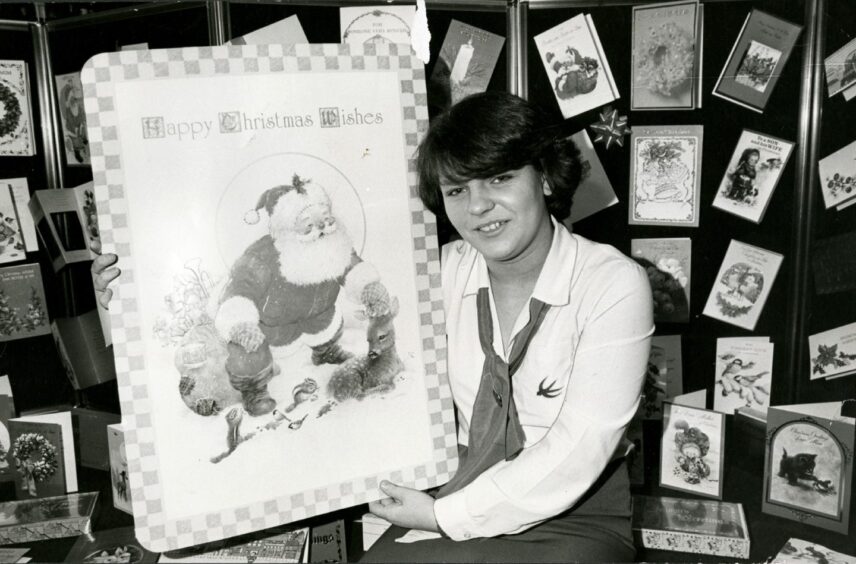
838, 176
16, 114
36, 456
742, 285
692, 454
752, 174
665, 175
666, 56
576, 65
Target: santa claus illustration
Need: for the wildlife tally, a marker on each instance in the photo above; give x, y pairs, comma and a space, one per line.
282, 290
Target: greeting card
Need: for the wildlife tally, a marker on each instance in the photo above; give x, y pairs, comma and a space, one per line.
666, 57
228, 143
668, 263
595, 192
21, 198
16, 112
284, 31
742, 285
365, 25
37, 456
12, 246
756, 60
576, 66
808, 466
838, 176
465, 65
663, 376
691, 455
23, 312
665, 175
75, 139
752, 174
841, 68
743, 374
833, 352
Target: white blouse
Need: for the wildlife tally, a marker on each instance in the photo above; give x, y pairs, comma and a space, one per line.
575, 391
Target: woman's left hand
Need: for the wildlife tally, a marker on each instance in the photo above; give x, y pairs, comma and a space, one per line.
406, 507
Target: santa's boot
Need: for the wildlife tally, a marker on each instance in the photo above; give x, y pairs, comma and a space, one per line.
330, 352
246, 377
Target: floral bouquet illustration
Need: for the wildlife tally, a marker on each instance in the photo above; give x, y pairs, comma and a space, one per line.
663, 176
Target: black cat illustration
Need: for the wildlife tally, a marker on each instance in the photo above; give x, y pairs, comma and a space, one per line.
801, 467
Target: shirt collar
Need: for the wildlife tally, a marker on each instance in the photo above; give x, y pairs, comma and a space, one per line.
553, 286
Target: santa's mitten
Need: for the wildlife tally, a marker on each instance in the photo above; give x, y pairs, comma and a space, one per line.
248, 335
375, 299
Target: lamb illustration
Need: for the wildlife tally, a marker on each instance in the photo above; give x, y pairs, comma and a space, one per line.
374, 372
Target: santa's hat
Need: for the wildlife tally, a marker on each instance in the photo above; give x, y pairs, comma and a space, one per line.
298, 195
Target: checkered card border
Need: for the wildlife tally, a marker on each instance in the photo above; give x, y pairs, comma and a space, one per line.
100, 76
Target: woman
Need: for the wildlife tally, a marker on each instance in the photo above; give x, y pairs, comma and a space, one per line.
542, 474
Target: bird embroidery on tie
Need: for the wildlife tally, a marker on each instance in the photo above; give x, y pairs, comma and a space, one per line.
548, 390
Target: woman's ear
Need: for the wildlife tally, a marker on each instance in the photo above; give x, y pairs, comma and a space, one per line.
545, 186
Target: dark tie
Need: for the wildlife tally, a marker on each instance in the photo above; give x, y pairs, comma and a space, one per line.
495, 431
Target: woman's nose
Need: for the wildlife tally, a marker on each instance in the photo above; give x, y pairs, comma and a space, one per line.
479, 201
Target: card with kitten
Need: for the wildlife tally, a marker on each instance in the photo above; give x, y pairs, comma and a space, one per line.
808, 466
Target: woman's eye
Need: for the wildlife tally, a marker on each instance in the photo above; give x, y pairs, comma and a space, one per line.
449, 192
500, 178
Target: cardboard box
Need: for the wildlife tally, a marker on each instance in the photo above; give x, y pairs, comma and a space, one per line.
46, 518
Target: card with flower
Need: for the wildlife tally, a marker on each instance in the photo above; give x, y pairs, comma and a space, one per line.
668, 264
665, 175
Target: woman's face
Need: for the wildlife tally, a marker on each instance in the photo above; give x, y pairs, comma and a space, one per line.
504, 217
753, 159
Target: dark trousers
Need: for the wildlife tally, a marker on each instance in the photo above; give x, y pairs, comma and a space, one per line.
596, 529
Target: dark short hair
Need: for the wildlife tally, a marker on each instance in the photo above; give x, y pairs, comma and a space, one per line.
748, 153
493, 132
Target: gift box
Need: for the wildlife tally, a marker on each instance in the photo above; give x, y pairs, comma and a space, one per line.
46, 518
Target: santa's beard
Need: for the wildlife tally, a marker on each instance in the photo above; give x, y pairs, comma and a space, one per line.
325, 258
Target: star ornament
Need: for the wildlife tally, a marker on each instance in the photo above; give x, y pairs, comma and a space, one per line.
611, 128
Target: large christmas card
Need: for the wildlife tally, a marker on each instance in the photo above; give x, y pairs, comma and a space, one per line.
279, 302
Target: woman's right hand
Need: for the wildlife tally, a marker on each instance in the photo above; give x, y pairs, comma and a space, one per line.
103, 274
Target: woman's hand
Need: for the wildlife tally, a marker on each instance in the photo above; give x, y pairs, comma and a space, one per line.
406, 507
102, 274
